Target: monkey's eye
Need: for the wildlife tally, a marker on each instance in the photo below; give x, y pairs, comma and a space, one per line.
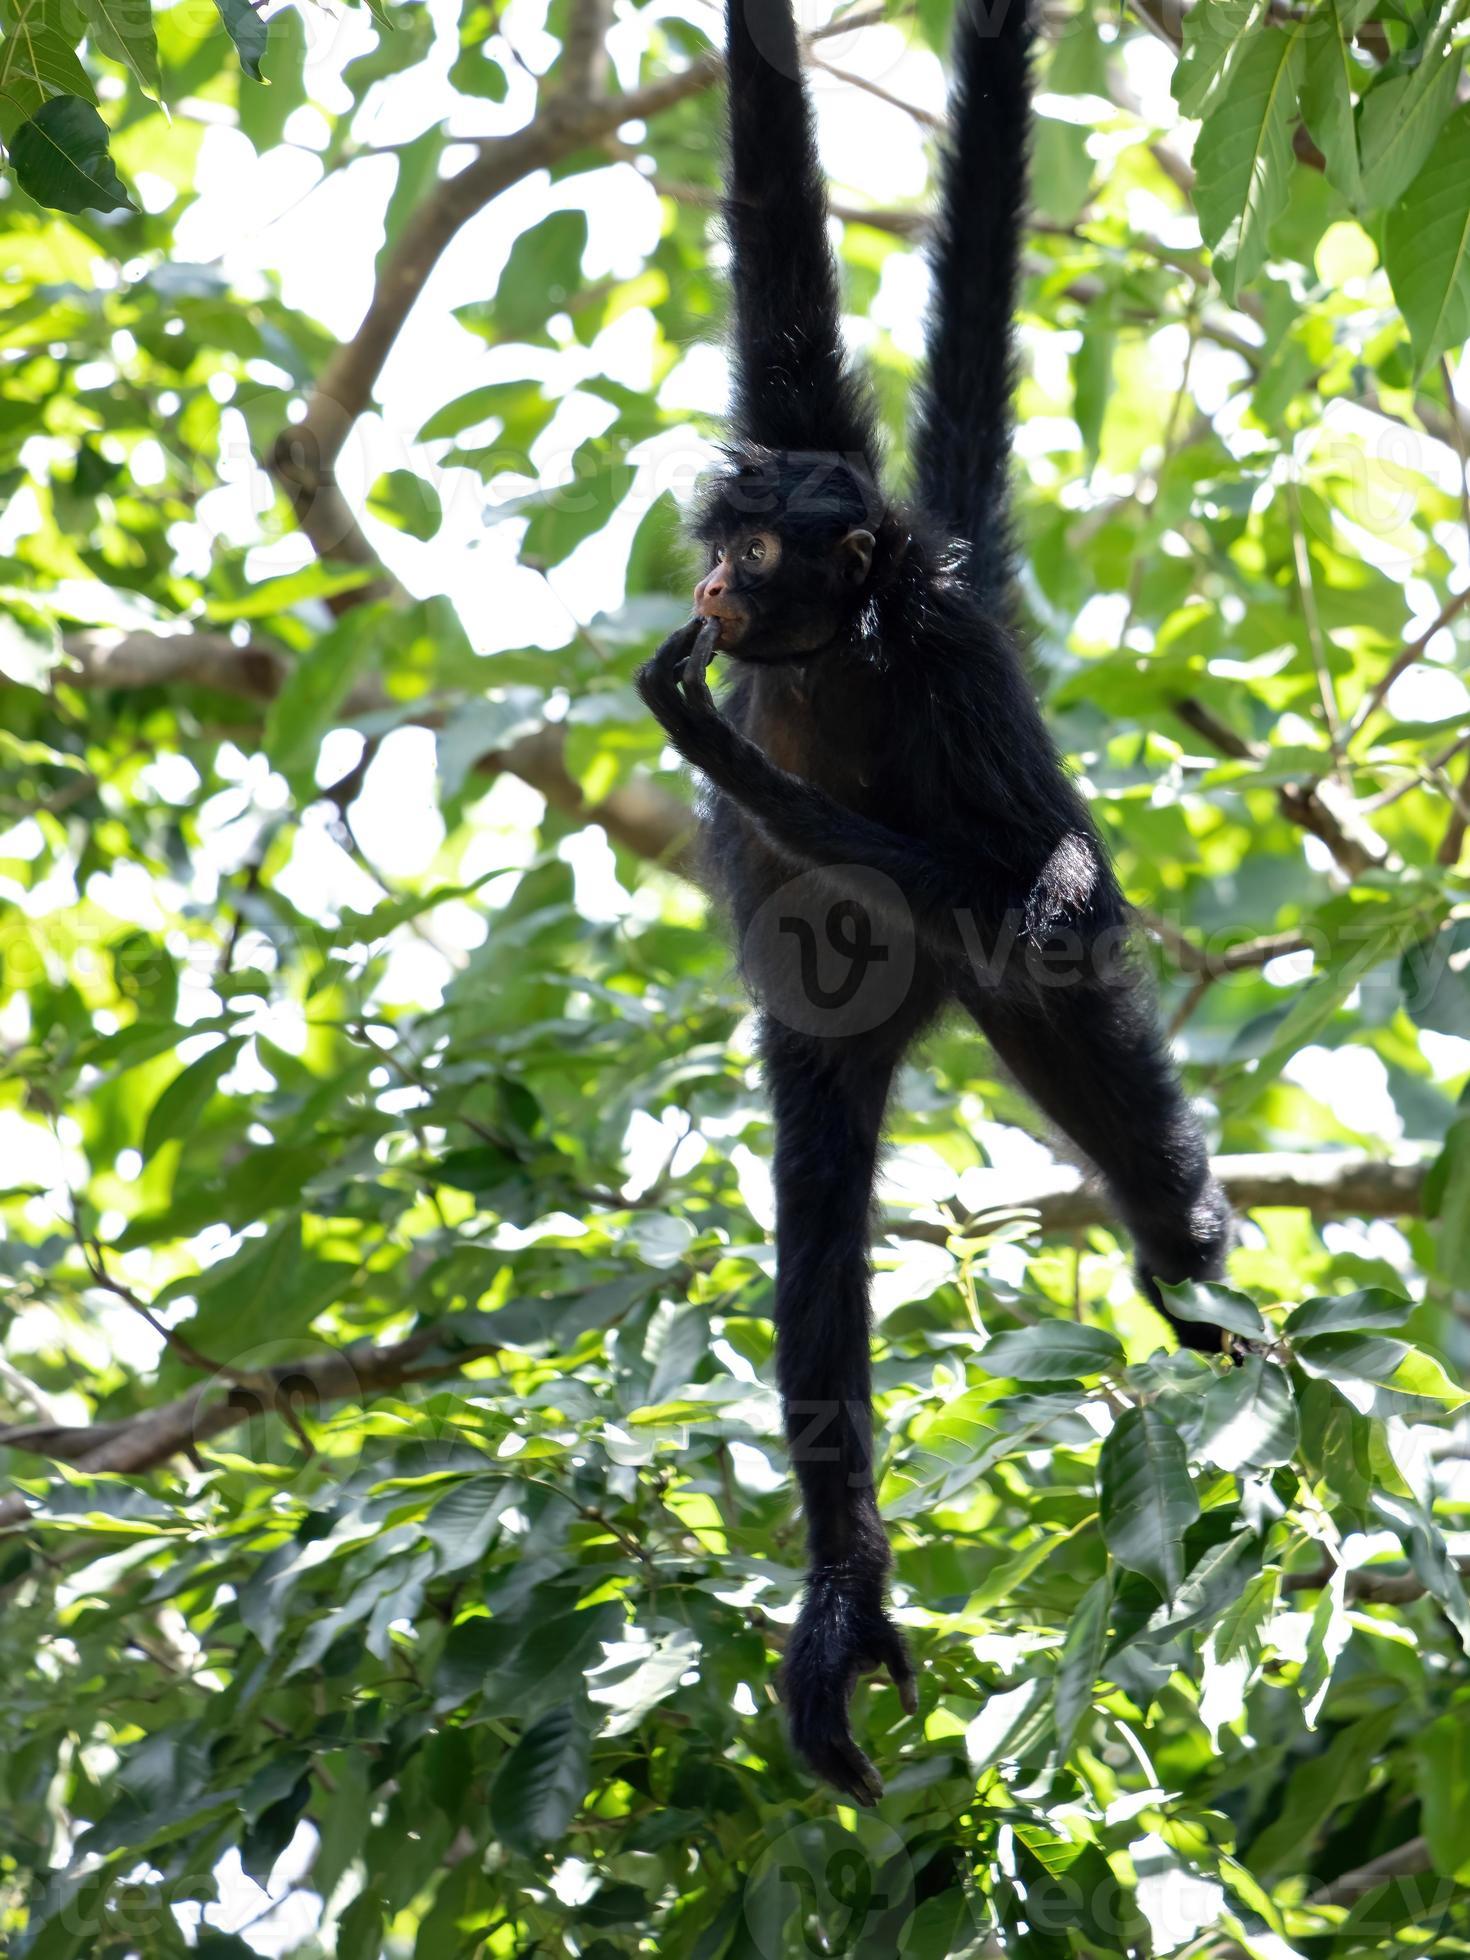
756, 552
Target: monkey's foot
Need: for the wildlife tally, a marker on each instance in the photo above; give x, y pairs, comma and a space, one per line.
842, 1634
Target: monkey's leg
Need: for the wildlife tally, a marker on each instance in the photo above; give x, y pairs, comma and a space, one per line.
828, 1099
1089, 1052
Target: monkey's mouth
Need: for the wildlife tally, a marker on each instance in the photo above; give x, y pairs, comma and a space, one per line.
732, 626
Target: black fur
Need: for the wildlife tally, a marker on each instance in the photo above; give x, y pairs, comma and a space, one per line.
880, 773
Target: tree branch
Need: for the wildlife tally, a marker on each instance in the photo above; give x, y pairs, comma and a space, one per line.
144, 1441
639, 815
584, 50
1208, 963
1339, 1183
304, 457
1414, 651
1342, 1182
1320, 808
1369, 1585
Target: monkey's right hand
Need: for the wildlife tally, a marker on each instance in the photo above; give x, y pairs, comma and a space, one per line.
841, 1634
675, 688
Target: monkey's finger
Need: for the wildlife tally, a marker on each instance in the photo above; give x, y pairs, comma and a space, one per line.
707, 642
901, 1673
678, 646
694, 677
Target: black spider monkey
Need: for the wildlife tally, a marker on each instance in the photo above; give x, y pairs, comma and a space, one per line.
881, 755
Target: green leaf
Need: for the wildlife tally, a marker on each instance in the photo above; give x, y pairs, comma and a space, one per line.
1429, 1555
542, 273
1443, 1753
186, 1098
1250, 1420
280, 595
315, 689
1327, 92
1240, 1629
541, 1783
265, 111
521, 408
1148, 1501
1211, 1585
30, 646
268, 1290
563, 517
1328, 1635
360, 1931
1401, 117
60, 158
1340, 1358
1216, 1306
1314, 1007
1092, 382
1350, 1356
1243, 159
1421, 1375
463, 1522
1370, 1311
1213, 37
37, 60
1052, 1352
1061, 169
1010, 1725
1428, 245
1452, 1175
247, 28
1081, 1661
123, 30
417, 174
403, 499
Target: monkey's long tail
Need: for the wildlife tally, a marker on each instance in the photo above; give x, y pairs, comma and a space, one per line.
964, 433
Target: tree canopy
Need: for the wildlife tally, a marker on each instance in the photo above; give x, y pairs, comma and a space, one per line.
399, 1542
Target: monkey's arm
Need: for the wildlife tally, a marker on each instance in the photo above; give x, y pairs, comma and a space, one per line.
793, 389
962, 444
951, 892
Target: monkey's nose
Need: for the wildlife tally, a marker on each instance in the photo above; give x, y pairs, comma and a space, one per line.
708, 593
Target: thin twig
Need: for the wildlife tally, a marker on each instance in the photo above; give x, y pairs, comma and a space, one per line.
1414, 651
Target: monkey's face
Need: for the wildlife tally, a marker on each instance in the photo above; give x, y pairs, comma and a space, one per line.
777, 600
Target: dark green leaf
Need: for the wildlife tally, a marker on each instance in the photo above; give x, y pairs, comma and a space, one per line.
541, 1783
1402, 114
246, 27
60, 157
1216, 1306
1054, 1351
1371, 1311
1250, 1420
187, 1097
1148, 1501
1081, 1661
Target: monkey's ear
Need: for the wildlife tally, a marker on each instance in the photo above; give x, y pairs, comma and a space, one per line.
856, 552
